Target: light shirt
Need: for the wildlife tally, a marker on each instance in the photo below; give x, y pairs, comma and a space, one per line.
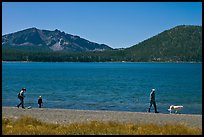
22, 93
152, 96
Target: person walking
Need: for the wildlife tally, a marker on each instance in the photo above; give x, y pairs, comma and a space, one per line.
21, 97
152, 101
40, 102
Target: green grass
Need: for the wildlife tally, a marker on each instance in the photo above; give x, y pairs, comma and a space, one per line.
31, 126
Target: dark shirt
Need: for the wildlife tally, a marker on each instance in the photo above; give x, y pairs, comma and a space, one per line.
40, 101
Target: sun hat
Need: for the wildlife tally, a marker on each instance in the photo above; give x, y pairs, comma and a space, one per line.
153, 89
40, 96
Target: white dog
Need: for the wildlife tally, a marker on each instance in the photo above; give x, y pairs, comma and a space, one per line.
176, 109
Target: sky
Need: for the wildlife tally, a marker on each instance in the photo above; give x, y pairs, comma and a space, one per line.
116, 24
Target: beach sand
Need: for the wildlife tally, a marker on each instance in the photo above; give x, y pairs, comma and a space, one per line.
64, 116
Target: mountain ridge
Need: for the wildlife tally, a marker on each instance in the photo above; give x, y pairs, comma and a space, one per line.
51, 40
182, 43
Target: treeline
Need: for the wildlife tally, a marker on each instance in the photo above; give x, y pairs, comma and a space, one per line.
105, 56
21, 55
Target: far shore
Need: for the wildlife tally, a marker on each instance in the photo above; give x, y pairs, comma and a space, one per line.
65, 116
109, 62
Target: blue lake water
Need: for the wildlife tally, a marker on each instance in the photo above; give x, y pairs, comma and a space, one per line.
104, 86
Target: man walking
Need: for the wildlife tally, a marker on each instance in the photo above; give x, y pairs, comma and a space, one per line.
40, 102
152, 101
21, 97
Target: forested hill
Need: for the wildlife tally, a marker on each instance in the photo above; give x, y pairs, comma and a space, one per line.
179, 44
182, 43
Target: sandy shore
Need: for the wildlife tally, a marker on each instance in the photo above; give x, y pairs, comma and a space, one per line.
69, 116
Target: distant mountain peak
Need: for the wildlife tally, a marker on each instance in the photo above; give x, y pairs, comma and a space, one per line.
56, 30
50, 40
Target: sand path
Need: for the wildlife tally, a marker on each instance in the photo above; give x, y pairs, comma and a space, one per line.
69, 116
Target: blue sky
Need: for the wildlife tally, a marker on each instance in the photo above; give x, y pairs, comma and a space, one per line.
117, 24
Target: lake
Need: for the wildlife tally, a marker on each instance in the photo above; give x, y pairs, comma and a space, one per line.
104, 86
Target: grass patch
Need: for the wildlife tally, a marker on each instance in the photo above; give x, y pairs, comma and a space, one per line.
32, 126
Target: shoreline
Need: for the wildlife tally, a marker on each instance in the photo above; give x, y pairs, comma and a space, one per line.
66, 116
